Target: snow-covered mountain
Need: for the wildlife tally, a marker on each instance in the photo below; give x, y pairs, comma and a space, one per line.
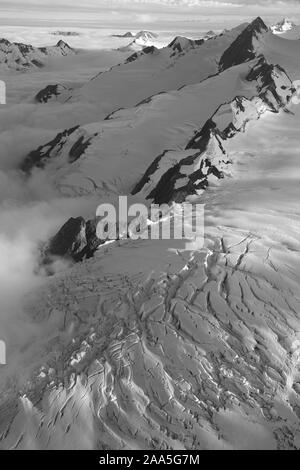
245, 46
282, 26
165, 344
182, 62
19, 56
72, 156
287, 29
141, 40
143, 36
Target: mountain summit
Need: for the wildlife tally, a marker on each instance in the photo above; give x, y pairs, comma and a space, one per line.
282, 26
243, 49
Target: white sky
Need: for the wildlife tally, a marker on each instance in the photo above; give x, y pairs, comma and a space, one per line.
139, 14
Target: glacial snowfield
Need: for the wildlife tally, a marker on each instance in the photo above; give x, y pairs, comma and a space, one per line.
159, 344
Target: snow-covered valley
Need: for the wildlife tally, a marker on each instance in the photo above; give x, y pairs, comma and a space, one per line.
156, 344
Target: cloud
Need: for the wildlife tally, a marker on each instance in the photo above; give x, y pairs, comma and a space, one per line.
98, 4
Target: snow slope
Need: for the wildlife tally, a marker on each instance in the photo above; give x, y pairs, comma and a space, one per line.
174, 176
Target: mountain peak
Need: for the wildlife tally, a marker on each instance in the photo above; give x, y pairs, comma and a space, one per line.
258, 25
242, 49
180, 44
62, 43
282, 26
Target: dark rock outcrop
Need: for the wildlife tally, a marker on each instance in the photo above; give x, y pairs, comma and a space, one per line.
49, 92
75, 241
79, 148
268, 88
166, 191
39, 157
42, 155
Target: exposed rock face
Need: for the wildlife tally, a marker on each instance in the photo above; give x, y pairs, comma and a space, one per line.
242, 49
38, 158
70, 239
62, 48
20, 56
76, 240
175, 175
76, 139
50, 93
276, 88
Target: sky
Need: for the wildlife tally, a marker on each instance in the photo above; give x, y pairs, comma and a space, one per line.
150, 14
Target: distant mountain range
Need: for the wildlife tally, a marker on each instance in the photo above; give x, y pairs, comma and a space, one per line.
65, 33
141, 35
